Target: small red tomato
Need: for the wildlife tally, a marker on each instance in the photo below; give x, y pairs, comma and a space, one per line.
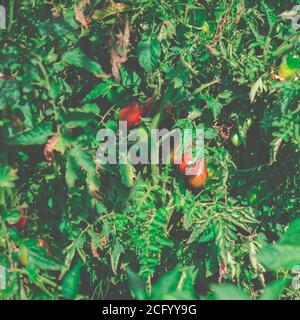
132, 113
22, 223
186, 162
198, 180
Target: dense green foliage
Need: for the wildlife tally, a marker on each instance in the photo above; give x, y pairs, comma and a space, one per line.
71, 228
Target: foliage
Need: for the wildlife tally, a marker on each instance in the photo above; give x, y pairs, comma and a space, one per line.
121, 231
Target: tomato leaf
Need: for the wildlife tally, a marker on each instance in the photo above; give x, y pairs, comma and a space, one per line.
149, 52
70, 284
77, 58
37, 135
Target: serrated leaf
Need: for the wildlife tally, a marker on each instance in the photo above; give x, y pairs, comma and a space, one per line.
118, 249
256, 88
77, 119
12, 216
91, 108
214, 105
9, 92
77, 58
39, 258
112, 9
71, 172
60, 26
128, 175
38, 135
149, 53
100, 90
7, 177
86, 162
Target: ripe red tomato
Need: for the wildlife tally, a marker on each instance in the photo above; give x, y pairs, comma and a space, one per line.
187, 158
22, 223
132, 113
186, 162
199, 179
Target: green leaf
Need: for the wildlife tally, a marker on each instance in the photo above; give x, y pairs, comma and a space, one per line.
128, 175
71, 172
171, 287
39, 258
149, 53
137, 286
77, 119
77, 58
12, 216
100, 90
271, 15
7, 177
60, 26
86, 162
70, 284
112, 9
279, 256
118, 249
257, 87
292, 234
214, 105
229, 292
273, 290
91, 108
196, 17
38, 135
9, 92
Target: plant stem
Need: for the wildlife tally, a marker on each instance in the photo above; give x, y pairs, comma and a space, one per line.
11, 14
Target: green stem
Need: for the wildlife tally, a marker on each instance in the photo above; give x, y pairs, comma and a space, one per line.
45, 74
2, 196
155, 125
198, 90
11, 14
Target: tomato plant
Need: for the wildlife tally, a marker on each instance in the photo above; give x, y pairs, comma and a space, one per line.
72, 227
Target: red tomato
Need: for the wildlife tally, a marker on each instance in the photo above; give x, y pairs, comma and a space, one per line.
186, 162
22, 223
132, 113
198, 180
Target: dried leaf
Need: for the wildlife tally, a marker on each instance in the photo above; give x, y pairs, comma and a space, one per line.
119, 50
49, 149
79, 13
